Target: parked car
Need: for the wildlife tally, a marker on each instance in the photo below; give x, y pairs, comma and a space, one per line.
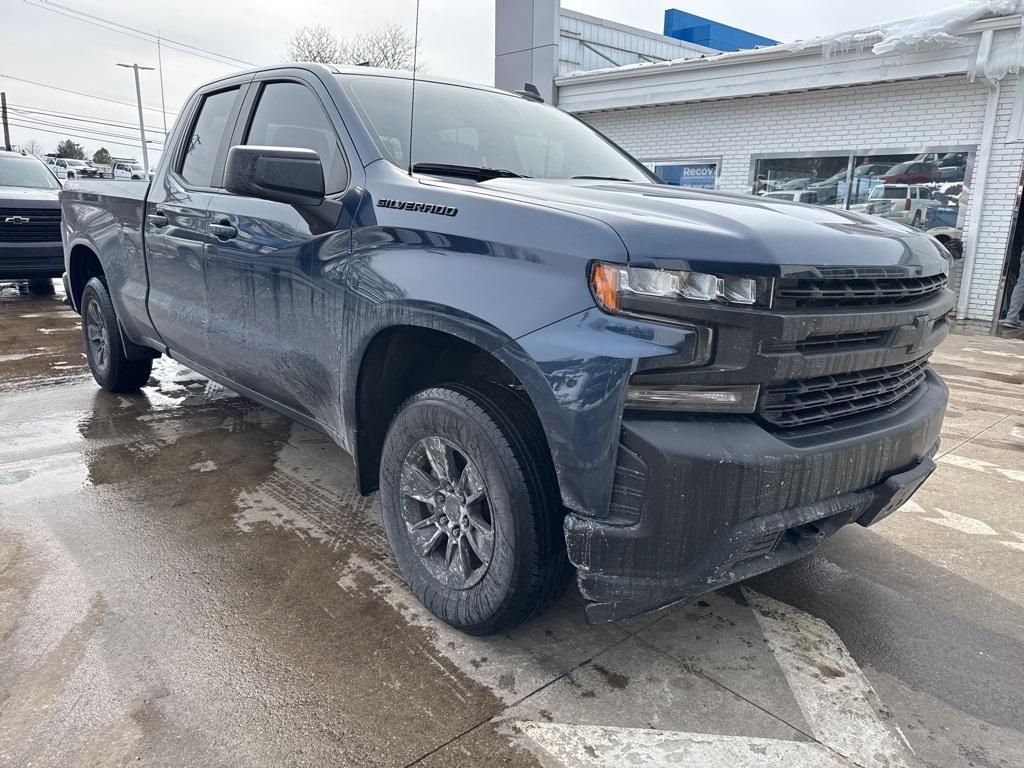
912, 173
538, 361
828, 190
794, 184
125, 170
796, 196
30, 240
60, 170
907, 204
80, 169
953, 166
69, 168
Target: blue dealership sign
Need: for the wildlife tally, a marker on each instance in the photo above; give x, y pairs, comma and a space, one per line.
698, 175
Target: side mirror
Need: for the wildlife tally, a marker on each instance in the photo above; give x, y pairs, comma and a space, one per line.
283, 174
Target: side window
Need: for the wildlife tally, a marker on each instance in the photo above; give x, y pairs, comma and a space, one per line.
204, 141
290, 115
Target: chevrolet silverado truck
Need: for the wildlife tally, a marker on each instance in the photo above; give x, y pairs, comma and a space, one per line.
30, 234
544, 359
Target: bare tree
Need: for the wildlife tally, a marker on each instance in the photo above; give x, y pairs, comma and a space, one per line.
387, 47
33, 147
316, 43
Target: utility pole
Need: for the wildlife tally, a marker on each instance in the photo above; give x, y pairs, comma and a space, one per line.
160, 64
142, 125
3, 113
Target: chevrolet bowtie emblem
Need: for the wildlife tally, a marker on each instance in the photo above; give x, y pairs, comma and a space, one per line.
17, 220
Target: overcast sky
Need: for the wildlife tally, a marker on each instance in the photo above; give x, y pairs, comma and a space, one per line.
44, 45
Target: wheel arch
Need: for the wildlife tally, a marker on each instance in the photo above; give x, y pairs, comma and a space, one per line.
83, 265
400, 360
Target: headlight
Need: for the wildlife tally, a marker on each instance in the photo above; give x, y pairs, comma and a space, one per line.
613, 285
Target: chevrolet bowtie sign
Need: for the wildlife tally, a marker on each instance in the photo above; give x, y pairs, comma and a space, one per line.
16, 220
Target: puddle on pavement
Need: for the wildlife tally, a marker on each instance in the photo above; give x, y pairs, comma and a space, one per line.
42, 342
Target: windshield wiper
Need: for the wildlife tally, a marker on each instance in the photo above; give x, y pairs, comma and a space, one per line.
466, 171
602, 178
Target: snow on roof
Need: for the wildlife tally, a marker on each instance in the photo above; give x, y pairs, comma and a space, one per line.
938, 28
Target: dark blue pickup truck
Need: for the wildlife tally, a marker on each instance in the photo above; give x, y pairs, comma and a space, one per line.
544, 358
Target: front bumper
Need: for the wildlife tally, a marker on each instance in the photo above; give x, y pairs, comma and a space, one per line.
28, 261
722, 499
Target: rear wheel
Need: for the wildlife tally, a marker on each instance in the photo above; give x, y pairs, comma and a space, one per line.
471, 506
103, 348
917, 220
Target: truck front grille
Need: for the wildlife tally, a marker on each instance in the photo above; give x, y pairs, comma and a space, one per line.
824, 398
854, 292
43, 225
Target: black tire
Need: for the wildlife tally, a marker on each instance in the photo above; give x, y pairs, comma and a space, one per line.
103, 348
916, 222
496, 430
42, 287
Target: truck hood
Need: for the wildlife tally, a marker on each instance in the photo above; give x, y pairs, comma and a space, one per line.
24, 196
674, 228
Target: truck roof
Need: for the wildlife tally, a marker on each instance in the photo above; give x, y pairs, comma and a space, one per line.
329, 70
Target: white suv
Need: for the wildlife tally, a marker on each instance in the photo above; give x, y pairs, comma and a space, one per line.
123, 170
905, 203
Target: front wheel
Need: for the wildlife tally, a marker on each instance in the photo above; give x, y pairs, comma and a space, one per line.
103, 348
471, 506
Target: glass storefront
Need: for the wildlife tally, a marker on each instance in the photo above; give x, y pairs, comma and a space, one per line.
920, 189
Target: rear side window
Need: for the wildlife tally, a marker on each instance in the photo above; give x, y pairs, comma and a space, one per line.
290, 115
207, 135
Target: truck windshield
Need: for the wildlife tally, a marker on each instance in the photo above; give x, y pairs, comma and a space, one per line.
474, 128
25, 172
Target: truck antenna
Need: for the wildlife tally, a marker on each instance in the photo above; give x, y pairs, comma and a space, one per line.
412, 103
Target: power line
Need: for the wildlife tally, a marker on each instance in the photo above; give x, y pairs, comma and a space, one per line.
138, 34
90, 134
64, 134
26, 110
79, 93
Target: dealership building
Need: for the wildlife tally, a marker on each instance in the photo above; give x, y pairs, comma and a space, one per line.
921, 121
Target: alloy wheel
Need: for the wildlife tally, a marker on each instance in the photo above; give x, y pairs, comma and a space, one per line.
97, 334
447, 512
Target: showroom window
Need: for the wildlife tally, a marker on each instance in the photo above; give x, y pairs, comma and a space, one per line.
921, 189
699, 174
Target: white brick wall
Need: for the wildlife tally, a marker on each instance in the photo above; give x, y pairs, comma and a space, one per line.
938, 112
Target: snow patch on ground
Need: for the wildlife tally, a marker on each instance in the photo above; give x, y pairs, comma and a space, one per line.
20, 356
203, 466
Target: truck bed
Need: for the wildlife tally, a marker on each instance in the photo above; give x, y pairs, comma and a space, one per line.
107, 217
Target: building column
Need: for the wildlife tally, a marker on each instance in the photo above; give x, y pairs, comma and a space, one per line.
526, 40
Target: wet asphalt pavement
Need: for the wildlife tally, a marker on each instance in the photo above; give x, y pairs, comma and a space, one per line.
189, 579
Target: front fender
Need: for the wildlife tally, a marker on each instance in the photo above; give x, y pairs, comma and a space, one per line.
576, 372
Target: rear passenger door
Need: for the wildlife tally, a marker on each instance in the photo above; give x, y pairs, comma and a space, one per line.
176, 223
260, 254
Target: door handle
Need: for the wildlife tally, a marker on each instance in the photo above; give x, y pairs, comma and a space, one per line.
157, 220
223, 230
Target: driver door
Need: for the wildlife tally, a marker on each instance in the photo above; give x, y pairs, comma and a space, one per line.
260, 256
